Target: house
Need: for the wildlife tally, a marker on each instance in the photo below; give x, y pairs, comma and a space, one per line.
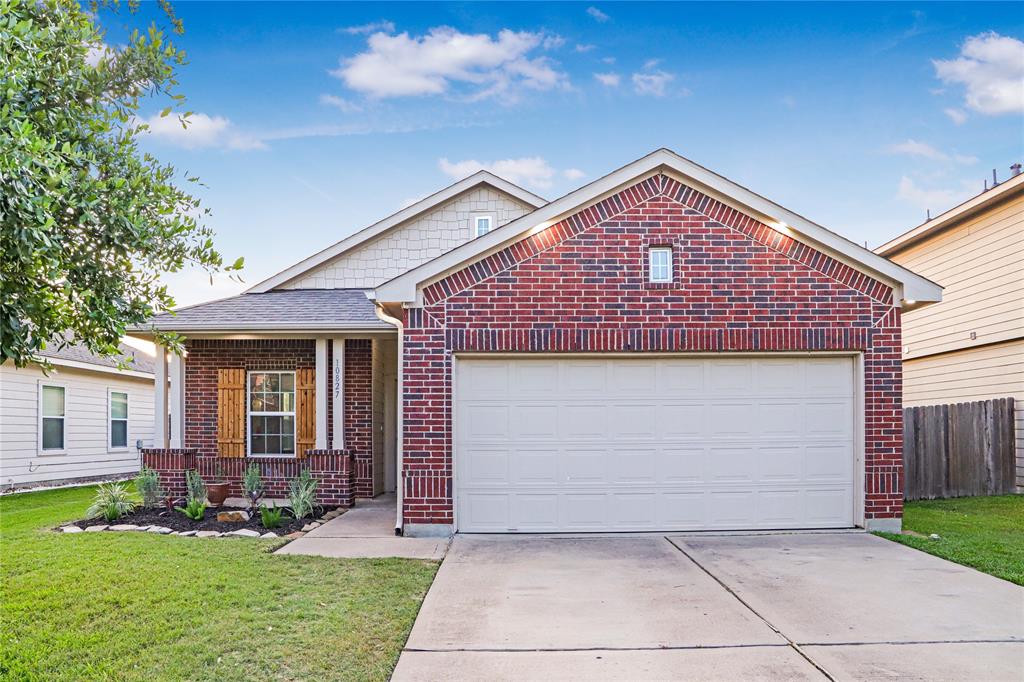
971, 345
80, 421
661, 349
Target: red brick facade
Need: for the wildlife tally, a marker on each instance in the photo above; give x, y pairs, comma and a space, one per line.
581, 286
205, 357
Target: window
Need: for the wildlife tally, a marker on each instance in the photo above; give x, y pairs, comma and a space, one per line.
118, 414
51, 418
482, 225
272, 413
659, 259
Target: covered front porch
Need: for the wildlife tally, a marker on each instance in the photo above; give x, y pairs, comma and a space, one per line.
290, 380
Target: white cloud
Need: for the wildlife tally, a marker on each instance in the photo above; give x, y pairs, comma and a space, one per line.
608, 60
200, 131
612, 80
340, 103
935, 199
991, 69
97, 53
573, 174
924, 150
654, 83
585, 48
373, 27
552, 42
528, 170
958, 116
402, 66
919, 149
597, 14
650, 64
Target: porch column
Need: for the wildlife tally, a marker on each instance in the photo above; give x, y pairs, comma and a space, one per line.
177, 401
321, 394
338, 384
160, 399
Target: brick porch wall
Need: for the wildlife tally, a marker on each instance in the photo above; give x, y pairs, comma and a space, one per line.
581, 286
333, 469
206, 356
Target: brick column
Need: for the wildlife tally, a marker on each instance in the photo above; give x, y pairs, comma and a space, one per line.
336, 472
170, 464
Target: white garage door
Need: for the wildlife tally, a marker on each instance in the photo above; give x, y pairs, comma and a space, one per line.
589, 444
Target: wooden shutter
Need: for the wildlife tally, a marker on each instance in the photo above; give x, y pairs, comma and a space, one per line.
305, 411
231, 412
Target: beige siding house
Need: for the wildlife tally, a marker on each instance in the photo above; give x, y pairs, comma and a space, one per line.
970, 346
79, 422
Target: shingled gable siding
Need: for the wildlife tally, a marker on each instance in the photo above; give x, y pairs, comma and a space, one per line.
205, 357
581, 286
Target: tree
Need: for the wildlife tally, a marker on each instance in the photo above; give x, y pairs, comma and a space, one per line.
89, 222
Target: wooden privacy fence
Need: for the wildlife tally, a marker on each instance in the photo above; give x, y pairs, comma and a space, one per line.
959, 450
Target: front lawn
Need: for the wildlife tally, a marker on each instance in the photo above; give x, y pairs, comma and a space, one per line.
136, 606
986, 533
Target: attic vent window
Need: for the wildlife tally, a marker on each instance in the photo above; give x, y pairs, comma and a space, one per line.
659, 261
482, 224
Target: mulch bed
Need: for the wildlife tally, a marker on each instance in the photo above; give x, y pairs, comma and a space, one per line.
177, 521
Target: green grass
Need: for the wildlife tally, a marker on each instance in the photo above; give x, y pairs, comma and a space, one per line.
986, 533
127, 606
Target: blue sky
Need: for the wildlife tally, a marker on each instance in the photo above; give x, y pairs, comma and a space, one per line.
316, 119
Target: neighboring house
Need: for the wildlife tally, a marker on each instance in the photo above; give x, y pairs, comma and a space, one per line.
971, 346
661, 349
80, 422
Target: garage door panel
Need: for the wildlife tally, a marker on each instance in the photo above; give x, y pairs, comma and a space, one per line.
680, 379
632, 421
780, 464
535, 466
633, 465
534, 421
584, 465
680, 421
592, 444
727, 420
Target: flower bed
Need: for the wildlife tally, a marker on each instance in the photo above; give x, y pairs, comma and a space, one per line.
177, 521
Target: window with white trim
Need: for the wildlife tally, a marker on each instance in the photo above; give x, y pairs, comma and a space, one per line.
51, 418
271, 397
117, 412
659, 262
482, 224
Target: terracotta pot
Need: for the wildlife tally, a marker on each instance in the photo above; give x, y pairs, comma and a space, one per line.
216, 493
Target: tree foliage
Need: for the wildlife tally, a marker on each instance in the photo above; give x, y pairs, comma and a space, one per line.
89, 221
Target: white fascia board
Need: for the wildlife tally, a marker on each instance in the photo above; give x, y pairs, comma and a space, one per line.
912, 287
954, 215
76, 364
366, 234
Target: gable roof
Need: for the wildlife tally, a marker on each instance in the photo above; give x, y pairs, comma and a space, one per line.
969, 208
912, 287
287, 309
366, 234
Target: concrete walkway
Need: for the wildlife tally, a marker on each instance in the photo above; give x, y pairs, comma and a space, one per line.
776, 607
367, 531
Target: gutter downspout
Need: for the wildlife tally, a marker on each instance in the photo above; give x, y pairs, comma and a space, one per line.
399, 416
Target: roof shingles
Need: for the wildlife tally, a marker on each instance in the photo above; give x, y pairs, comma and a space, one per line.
285, 309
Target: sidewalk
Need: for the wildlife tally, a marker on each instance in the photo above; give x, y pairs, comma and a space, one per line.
367, 531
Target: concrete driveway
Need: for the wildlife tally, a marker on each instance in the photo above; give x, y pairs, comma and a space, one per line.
792, 606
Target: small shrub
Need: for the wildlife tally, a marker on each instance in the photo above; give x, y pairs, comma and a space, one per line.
302, 494
252, 487
112, 501
147, 483
194, 509
195, 486
270, 516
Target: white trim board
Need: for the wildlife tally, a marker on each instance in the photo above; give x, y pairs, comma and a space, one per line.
909, 286
479, 178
